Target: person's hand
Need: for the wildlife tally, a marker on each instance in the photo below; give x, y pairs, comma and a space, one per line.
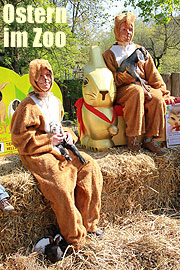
69, 138
170, 101
57, 139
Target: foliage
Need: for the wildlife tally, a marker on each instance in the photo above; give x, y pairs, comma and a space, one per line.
84, 22
88, 13
160, 10
162, 41
71, 91
18, 59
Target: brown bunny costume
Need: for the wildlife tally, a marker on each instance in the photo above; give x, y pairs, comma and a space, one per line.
141, 116
73, 188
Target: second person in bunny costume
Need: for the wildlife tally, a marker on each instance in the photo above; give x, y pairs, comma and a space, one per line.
73, 188
141, 116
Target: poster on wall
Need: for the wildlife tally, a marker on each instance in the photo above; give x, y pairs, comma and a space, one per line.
173, 125
13, 89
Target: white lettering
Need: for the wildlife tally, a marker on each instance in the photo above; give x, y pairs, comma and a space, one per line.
6, 37
21, 13
30, 10
50, 11
8, 13
19, 39
48, 39
40, 15
36, 42
60, 15
60, 39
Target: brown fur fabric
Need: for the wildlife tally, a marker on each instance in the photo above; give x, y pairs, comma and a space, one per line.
35, 67
128, 18
73, 189
141, 116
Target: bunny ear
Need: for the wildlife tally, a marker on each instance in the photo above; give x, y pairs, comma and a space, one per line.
3, 85
58, 239
95, 59
51, 240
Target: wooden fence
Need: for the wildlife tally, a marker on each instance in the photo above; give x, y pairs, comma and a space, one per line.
172, 82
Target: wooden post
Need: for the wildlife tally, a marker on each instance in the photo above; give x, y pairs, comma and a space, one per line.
175, 84
167, 80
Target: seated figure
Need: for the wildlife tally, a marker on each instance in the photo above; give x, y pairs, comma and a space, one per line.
142, 116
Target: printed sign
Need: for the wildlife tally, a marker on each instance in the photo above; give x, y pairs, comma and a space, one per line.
173, 125
13, 89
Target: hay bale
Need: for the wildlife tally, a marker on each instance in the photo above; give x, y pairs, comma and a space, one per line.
131, 181
22, 227
139, 181
139, 241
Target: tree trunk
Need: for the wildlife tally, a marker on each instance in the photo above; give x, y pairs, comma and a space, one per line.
175, 84
167, 80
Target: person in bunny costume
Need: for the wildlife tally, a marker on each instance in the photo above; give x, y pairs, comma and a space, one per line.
73, 188
142, 116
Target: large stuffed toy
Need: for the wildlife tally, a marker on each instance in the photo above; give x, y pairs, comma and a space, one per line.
97, 116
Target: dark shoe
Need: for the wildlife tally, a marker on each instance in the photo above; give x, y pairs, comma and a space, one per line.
6, 206
97, 233
133, 144
153, 147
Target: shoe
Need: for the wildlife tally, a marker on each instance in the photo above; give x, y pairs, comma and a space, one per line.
133, 144
97, 233
6, 206
153, 147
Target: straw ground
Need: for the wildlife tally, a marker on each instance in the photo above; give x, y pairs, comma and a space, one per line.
139, 216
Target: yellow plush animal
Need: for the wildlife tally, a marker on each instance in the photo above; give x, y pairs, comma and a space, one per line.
3, 113
96, 114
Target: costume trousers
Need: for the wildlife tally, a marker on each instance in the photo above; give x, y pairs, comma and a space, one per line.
142, 116
73, 189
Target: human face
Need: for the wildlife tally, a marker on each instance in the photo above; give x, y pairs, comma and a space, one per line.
125, 32
44, 81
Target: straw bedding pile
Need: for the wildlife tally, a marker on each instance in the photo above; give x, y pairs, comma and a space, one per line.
32, 212
133, 239
141, 241
139, 181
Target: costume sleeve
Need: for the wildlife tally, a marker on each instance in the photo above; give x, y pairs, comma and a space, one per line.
120, 78
27, 130
154, 79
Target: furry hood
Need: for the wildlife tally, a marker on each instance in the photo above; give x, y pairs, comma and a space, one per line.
129, 18
35, 68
